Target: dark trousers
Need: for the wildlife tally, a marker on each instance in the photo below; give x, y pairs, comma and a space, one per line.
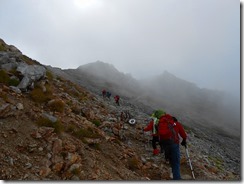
165, 144
154, 141
172, 153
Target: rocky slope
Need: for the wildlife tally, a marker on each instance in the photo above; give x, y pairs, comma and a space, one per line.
54, 129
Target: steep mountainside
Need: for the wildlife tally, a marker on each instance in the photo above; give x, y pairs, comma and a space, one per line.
53, 129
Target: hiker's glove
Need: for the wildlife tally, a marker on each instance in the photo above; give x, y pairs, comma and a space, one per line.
183, 143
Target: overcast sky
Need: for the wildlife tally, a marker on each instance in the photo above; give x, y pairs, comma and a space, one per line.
196, 40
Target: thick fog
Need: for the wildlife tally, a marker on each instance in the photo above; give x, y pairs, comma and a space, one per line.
193, 106
198, 41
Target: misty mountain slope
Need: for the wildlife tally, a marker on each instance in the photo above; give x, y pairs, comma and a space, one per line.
102, 70
194, 106
55, 129
106, 75
184, 99
97, 84
179, 97
99, 75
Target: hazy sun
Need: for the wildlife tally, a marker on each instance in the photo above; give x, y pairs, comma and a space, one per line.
86, 4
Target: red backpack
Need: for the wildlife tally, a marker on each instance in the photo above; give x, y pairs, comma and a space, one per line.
166, 128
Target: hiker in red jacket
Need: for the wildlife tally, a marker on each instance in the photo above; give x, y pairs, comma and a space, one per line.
151, 127
116, 98
169, 130
104, 93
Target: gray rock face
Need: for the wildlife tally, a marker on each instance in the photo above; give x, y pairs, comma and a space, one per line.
31, 73
34, 72
25, 82
9, 66
8, 60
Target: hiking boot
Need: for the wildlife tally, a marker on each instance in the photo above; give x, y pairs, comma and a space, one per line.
156, 151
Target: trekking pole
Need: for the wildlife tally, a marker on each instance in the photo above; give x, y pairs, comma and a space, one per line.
189, 160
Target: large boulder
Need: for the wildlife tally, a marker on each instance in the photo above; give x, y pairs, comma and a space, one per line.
34, 72
31, 73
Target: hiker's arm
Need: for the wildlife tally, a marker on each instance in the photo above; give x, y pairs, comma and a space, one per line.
149, 126
182, 131
182, 134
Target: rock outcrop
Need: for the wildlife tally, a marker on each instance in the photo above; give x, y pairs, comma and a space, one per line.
27, 70
30, 73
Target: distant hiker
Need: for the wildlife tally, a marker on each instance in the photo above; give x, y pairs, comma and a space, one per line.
108, 95
116, 98
169, 129
152, 126
104, 93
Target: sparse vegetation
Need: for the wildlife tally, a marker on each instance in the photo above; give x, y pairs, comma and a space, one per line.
14, 72
74, 91
57, 105
83, 97
96, 122
28, 60
5, 79
117, 141
75, 171
39, 96
71, 129
133, 163
13, 82
60, 78
49, 75
58, 127
2, 47
95, 146
76, 110
86, 133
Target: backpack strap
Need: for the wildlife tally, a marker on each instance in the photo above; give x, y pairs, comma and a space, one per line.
171, 128
155, 126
